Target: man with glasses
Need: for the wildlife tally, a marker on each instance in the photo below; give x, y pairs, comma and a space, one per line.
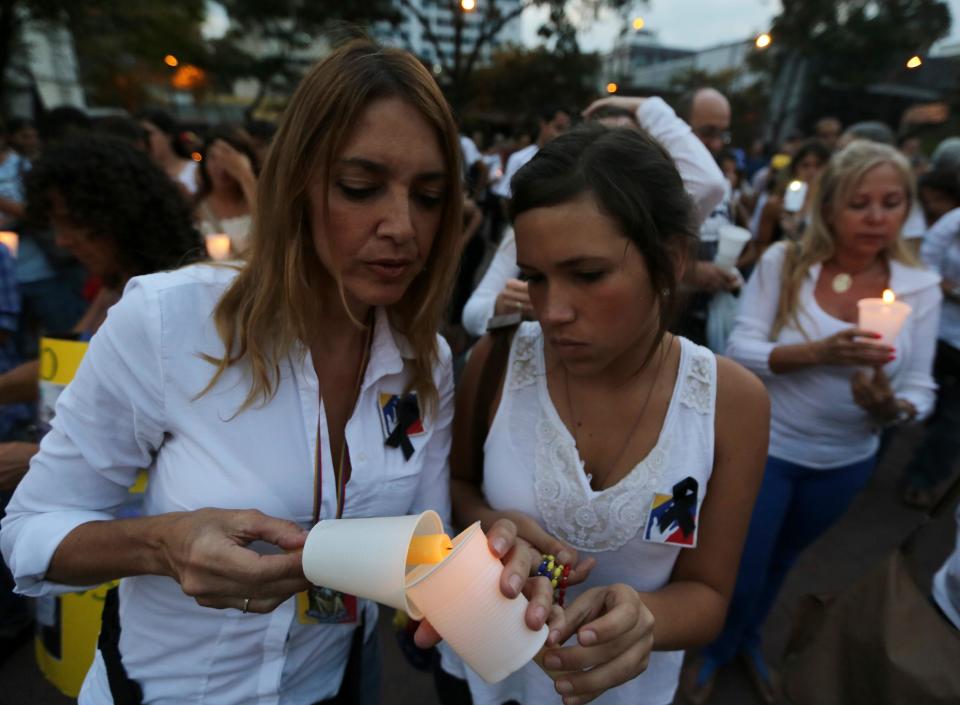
707, 111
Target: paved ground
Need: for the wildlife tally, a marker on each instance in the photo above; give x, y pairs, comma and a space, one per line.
874, 526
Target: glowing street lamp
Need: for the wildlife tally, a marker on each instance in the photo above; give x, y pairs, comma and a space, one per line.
915, 62
171, 61
468, 5
638, 23
763, 41
612, 87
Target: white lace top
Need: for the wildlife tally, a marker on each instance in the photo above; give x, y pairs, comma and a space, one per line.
532, 465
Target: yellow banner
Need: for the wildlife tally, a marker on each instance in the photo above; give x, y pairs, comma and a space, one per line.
59, 359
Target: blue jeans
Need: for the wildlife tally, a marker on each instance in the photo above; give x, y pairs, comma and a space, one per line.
796, 505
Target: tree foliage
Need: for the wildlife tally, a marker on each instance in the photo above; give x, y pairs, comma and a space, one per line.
522, 82
856, 41
271, 41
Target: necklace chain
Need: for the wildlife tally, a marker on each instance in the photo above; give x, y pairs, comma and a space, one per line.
633, 428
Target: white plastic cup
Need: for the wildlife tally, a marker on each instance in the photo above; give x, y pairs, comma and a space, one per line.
461, 599
878, 316
732, 240
367, 557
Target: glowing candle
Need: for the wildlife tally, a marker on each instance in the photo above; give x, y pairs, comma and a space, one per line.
218, 246
884, 316
11, 240
431, 548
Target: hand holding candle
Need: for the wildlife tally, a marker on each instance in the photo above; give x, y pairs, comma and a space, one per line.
884, 316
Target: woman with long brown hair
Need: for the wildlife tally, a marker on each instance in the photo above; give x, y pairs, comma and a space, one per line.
268, 391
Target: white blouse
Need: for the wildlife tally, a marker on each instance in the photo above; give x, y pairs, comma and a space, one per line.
133, 404
531, 464
814, 420
941, 252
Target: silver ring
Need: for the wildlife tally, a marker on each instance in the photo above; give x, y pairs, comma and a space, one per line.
246, 604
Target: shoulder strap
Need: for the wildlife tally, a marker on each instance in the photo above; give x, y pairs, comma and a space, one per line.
491, 377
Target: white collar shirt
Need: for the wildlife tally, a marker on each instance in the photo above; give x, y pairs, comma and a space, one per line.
133, 404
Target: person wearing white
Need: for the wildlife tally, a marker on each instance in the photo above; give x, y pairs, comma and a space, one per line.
607, 428
701, 176
934, 460
134, 404
946, 582
832, 386
245, 392
553, 121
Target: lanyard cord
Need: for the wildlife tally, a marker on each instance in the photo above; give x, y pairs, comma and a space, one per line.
339, 474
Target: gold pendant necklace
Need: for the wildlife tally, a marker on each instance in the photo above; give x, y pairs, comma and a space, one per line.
841, 282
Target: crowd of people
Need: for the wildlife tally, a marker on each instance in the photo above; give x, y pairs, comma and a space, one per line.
545, 313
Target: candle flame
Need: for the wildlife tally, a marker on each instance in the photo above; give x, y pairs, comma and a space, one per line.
888, 297
795, 185
431, 548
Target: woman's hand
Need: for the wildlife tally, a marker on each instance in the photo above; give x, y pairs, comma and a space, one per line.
530, 531
519, 561
514, 299
849, 347
874, 394
207, 552
234, 163
615, 634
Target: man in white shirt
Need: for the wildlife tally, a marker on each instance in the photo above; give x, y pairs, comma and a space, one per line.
707, 111
554, 121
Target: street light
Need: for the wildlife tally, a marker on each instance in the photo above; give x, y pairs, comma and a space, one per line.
638, 23
763, 41
171, 61
468, 5
612, 87
915, 62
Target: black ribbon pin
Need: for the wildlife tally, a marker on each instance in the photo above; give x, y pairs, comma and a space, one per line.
408, 413
683, 509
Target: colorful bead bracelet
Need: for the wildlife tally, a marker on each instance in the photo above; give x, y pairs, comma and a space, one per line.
557, 573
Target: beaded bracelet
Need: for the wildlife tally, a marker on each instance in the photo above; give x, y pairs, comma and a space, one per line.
557, 573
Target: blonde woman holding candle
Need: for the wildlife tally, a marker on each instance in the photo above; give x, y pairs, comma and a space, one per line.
832, 385
306, 384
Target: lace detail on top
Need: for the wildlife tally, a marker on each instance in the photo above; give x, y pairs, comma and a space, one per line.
524, 362
697, 392
588, 520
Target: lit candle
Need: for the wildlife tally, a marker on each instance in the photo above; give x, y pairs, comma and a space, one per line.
884, 316
461, 599
218, 246
431, 548
11, 240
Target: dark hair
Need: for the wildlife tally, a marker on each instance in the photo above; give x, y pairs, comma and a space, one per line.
17, 124
169, 125
633, 180
874, 131
947, 181
811, 146
116, 191
61, 123
232, 135
124, 128
549, 112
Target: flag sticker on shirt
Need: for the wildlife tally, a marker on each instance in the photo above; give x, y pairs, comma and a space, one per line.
673, 517
400, 419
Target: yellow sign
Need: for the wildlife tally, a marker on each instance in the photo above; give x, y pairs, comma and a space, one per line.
67, 625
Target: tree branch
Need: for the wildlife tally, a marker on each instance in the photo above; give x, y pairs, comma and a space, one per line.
485, 36
425, 24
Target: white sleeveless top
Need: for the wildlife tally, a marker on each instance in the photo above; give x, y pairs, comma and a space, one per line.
531, 464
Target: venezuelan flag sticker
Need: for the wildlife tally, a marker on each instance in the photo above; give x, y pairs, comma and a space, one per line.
673, 517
